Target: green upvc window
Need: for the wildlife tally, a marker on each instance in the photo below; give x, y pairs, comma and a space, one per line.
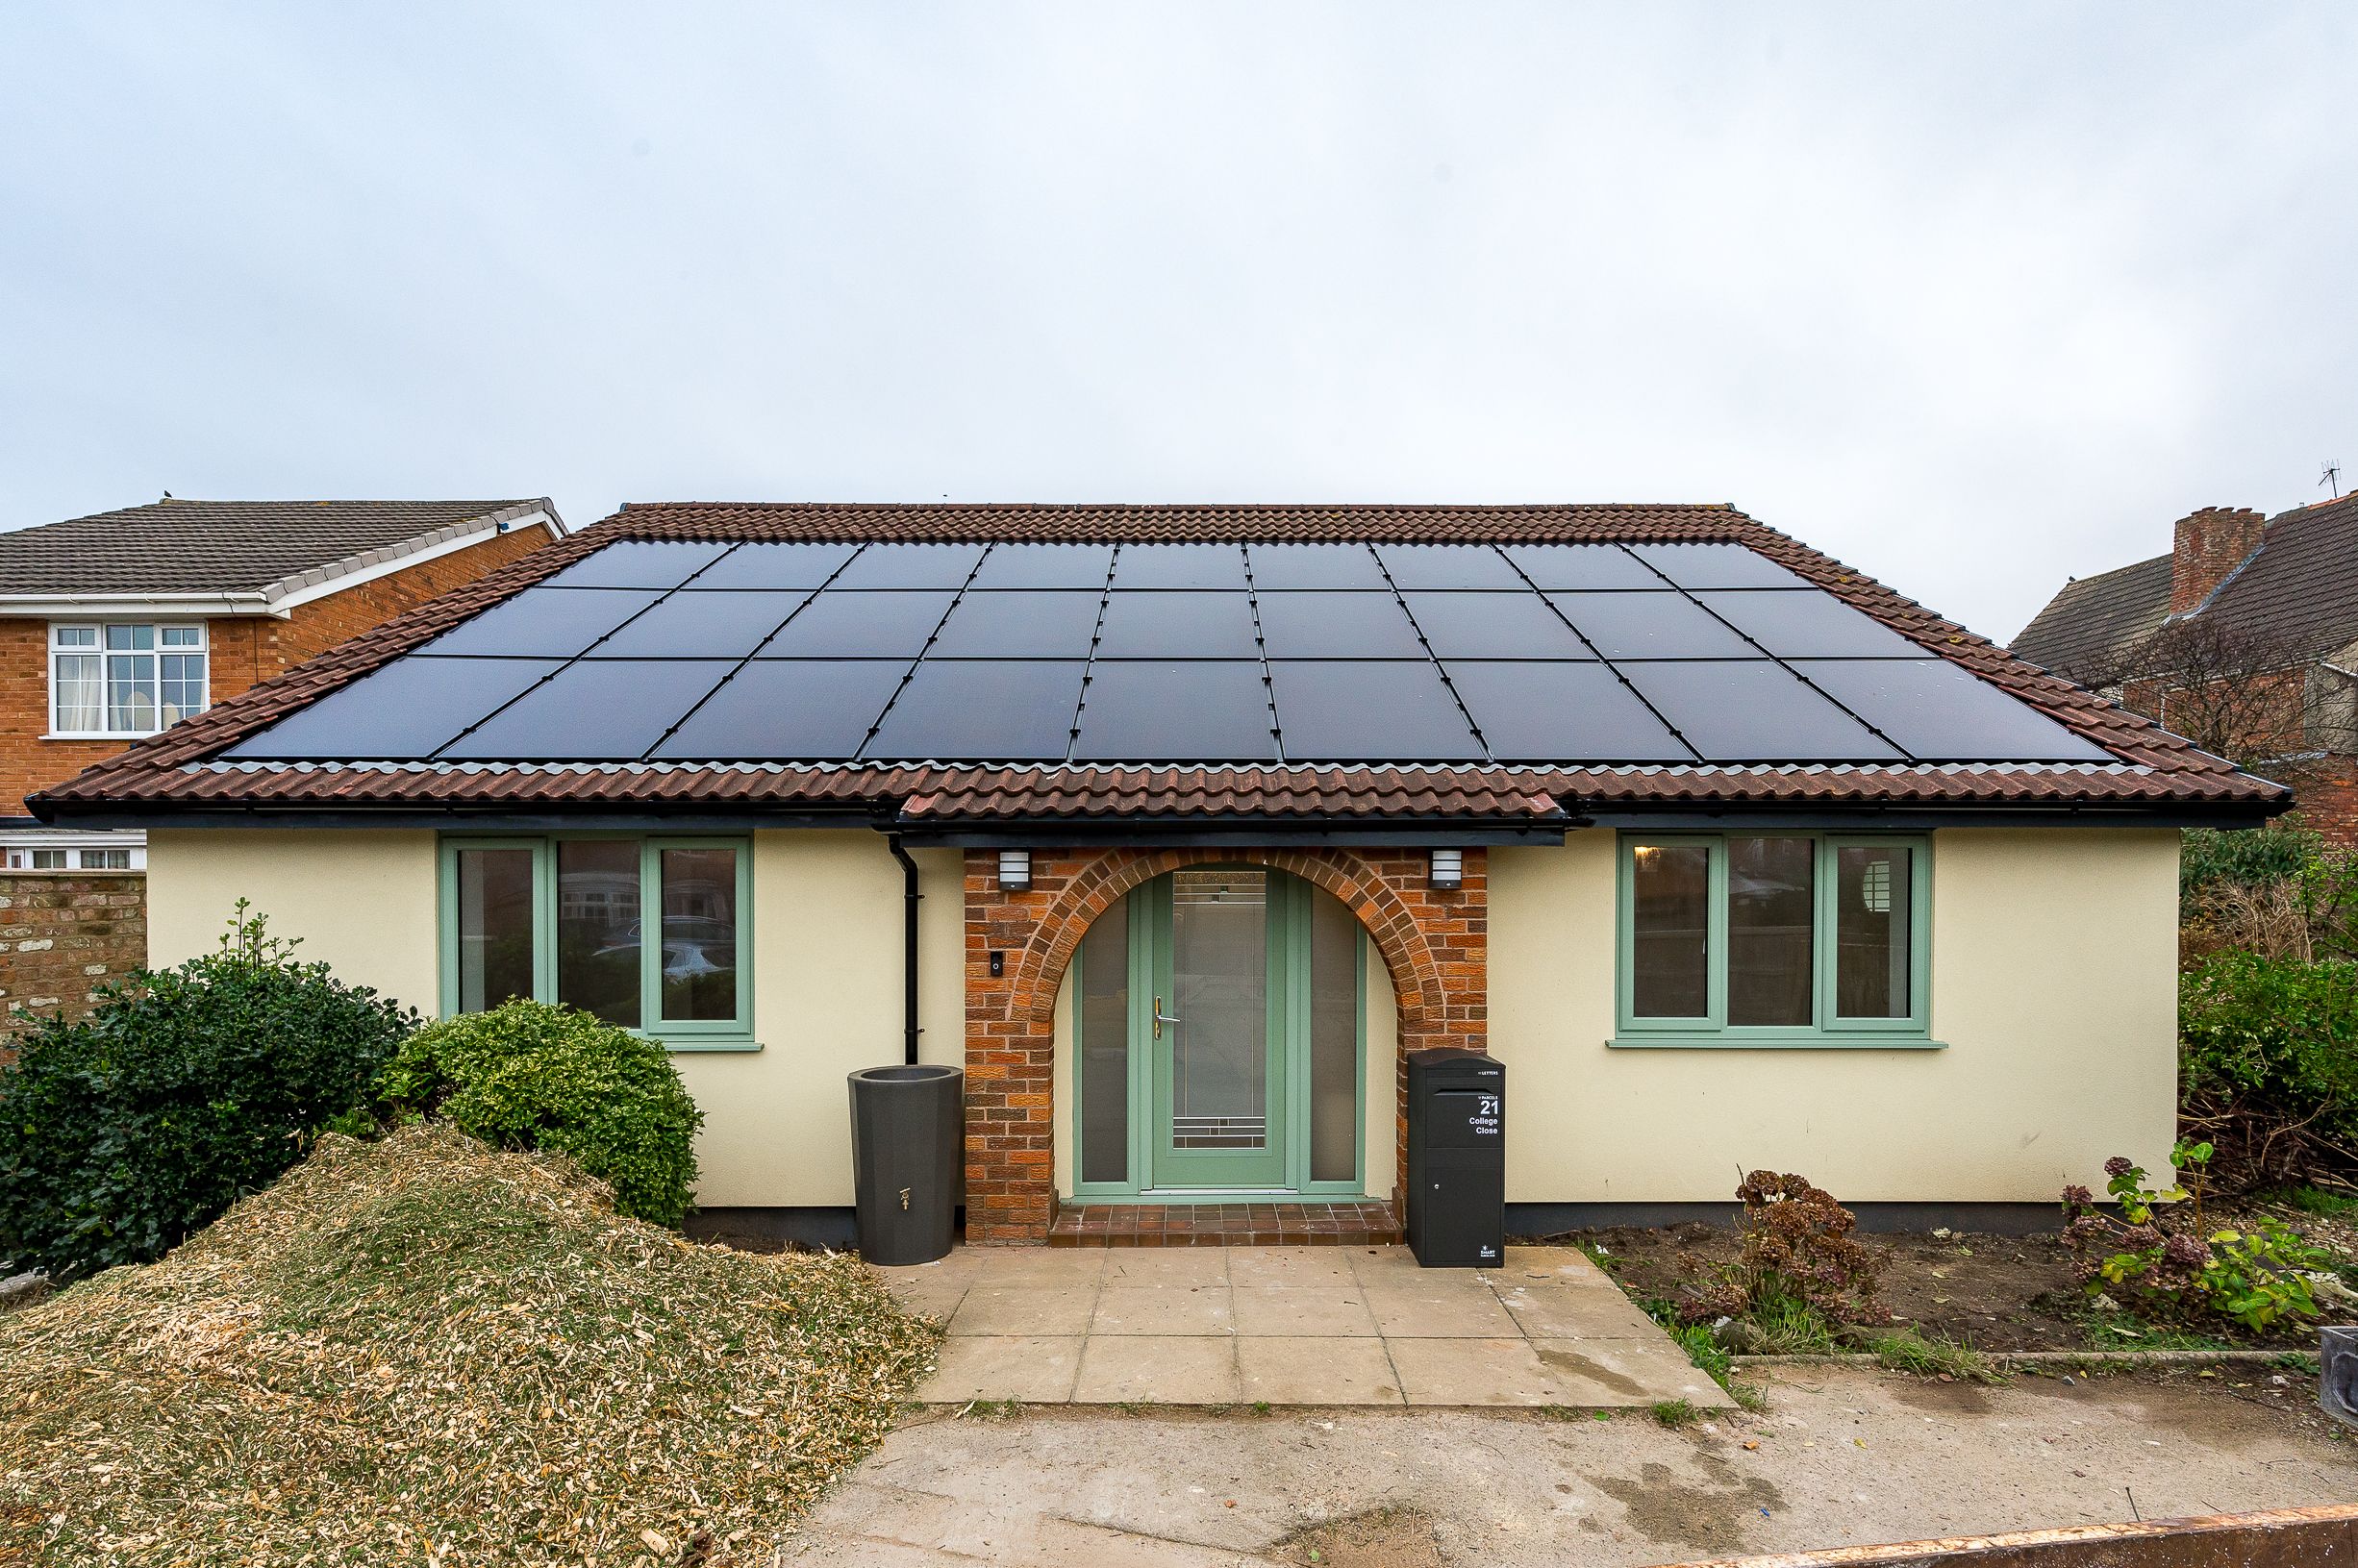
1785, 938
651, 934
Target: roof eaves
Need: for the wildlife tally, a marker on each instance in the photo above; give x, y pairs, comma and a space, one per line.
416, 544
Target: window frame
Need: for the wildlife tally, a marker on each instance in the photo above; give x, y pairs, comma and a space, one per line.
1827, 1032
735, 1033
200, 649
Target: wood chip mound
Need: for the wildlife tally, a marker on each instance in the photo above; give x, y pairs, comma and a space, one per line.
424, 1351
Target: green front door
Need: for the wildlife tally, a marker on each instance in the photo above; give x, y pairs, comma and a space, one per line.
1217, 1024
1216, 1032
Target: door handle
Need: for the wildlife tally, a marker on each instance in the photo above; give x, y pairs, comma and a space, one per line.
1161, 1018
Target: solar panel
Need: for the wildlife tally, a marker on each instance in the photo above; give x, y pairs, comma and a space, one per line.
774, 566
1179, 567
774, 709
1177, 624
982, 710
724, 625
1012, 624
602, 710
909, 566
401, 713
1582, 566
1717, 566
1494, 626
1651, 626
1045, 567
1210, 710
1371, 710
1280, 568
1941, 712
1310, 625
640, 564
544, 622
1807, 624
1561, 712
841, 625
1449, 566
1753, 711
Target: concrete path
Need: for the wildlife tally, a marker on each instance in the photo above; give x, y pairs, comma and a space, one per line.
1840, 1457
1290, 1326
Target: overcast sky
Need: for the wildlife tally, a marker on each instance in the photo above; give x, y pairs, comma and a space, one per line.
1975, 297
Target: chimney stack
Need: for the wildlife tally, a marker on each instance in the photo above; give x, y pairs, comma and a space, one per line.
2205, 547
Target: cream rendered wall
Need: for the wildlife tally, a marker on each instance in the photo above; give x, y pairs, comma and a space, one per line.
362, 902
1379, 1090
826, 1002
826, 971
2053, 988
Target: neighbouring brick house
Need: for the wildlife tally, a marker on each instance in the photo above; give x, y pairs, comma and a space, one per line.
114, 626
1179, 827
2244, 639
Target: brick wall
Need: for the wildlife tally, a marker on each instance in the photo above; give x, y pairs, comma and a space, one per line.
244, 650
62, 935
1435, 945
2329, 799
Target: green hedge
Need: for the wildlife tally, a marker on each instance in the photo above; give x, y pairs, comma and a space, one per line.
528, 1075
182, 1090
2268, 1055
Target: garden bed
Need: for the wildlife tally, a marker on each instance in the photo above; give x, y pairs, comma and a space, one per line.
1992, 1292
423, 1350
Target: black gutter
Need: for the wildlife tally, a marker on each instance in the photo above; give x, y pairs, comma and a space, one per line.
910, 898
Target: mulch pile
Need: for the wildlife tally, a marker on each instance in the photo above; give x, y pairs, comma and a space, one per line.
423, 1351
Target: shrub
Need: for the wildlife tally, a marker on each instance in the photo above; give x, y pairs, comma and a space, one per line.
180, 1092
2268, 1064
2157, 1258
2279, 891
1798, 1258
527, 1075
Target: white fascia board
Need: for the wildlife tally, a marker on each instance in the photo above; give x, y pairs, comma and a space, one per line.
153, 606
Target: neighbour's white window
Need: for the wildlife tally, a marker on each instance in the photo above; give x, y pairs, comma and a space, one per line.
42, 859
106, 860
124, 678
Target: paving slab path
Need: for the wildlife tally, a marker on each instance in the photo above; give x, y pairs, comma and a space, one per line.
1290, 1326
1842, 1457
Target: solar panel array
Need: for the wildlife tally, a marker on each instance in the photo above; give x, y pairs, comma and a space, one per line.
1583, 654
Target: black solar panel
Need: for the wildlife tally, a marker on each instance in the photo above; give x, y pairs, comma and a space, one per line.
1213, 710
1196, 653
402, 713
592, 711
640, 564
544, 622
1941, 712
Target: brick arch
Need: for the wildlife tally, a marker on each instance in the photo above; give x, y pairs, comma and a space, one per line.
1377, 906
1432, 943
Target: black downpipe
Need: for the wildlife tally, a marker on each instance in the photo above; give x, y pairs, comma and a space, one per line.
909, 948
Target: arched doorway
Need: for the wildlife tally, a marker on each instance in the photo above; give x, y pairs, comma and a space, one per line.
1220, 1040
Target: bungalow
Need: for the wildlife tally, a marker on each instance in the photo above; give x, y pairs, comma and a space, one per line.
1178, 826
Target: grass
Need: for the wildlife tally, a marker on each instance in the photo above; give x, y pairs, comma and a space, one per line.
1675, 1412
1708, 1355
1904, 1349
424, 1350
2317, 1201
2119, 1331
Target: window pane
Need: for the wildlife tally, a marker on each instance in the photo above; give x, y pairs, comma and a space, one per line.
597, 928
77, 636
1671, 975
1105, 1047
79, 688
1334, 1039
131, 690
699, 935
106, 860
1772, 905
1220, 990
48, 859
183, 685
130, 638
1874, 890
183, 637
494, 899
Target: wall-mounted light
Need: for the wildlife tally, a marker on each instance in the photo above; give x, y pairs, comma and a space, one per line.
1014, 870
1448, 869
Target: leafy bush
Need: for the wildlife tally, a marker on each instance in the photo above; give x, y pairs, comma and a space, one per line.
2268, 1064
182, 1090
528, 1075
1799, 1257
2275, 853
2157, 1259
2278, 891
